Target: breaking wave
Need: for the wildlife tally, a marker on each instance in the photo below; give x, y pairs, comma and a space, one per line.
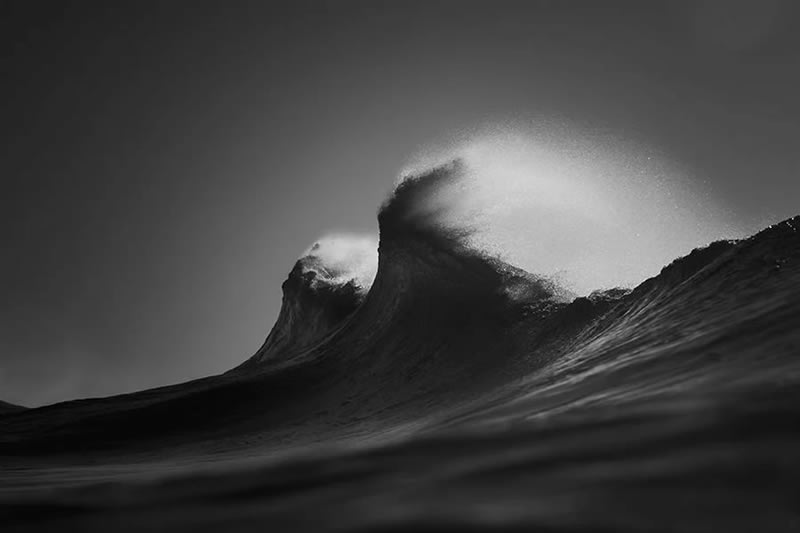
466, 375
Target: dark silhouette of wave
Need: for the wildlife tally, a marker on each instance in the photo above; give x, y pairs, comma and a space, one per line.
6, 407
457, 392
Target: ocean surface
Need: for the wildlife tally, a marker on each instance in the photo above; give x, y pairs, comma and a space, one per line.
455, 393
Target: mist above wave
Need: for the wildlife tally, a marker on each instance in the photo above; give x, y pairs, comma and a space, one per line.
590, 213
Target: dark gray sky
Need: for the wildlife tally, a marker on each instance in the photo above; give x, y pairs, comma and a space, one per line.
163, 164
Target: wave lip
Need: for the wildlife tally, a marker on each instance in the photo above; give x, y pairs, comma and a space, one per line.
416, 208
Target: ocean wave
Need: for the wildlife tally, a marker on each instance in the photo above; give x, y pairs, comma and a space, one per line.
451, 346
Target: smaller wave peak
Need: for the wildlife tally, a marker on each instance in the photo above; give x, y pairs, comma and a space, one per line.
327, 284
337, 261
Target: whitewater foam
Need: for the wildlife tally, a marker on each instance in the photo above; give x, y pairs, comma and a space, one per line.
342, 258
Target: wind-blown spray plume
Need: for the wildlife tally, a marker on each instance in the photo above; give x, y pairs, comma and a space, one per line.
590, 212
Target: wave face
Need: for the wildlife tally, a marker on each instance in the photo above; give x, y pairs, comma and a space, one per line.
456, 391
